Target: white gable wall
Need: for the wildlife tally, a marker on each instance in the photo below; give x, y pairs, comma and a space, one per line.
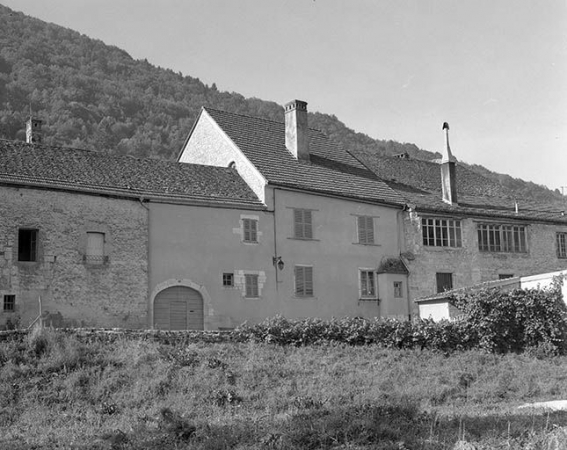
210, 146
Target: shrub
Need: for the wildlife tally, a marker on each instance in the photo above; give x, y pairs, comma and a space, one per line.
493, 320
514, 321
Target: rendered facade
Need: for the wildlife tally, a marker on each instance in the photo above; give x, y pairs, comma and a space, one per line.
334, 223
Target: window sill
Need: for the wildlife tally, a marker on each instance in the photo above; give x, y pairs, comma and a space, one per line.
367, 245
302, 239
494, 252
435, 248
96, 261
369, 299
250, 242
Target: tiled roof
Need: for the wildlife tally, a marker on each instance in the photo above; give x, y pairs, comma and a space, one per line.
330, 169
89, 171
392, 265
509, 283
419, 183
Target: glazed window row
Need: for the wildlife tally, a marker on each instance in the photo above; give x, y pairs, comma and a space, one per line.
501, 238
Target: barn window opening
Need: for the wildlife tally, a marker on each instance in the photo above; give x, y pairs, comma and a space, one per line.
444, 281
95, 248
27, 244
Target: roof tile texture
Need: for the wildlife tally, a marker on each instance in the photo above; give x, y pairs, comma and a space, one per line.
330, 169
419, 183
88, 170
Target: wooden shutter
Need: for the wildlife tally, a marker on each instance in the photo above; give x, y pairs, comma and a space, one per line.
250, 230
307, 224
303, 281
308, 281
251, 285
365, 230
299, 282
302, 224
298, 223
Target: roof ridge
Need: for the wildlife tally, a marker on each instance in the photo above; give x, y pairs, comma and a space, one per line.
247, 116
107, 155
59, 147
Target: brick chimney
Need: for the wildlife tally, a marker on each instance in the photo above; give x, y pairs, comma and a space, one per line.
33, 131
448, 172
297, 130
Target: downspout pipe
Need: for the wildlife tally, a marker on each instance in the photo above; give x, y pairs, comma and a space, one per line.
402, 247
150, 319
274, 260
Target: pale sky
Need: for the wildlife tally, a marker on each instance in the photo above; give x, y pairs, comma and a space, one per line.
496, 70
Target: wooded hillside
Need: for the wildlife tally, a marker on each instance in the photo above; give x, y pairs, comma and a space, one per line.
95, 96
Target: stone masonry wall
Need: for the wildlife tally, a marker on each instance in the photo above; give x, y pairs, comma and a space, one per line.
74, 292
469, 265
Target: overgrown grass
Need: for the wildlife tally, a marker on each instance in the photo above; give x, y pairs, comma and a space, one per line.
60, 391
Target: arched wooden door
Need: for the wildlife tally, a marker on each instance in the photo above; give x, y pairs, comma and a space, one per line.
178, 308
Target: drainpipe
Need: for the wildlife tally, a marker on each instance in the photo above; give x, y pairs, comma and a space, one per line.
402, 247
150, 319
275, 237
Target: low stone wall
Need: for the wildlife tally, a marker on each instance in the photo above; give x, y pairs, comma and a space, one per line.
113, 334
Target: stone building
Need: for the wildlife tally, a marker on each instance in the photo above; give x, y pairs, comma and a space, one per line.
461, 229
84, 237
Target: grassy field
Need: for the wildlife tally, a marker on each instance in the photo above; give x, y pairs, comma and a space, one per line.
57, 391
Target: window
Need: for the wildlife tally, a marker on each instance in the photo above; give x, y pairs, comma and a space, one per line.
365, 230
251, 285
441, 232
562, 245
302, 224
504, 276
304, 281
9, 303
444, 281
502, 238
228, 279
250, 228
367, 284
95, 248
398, 292
27, 245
